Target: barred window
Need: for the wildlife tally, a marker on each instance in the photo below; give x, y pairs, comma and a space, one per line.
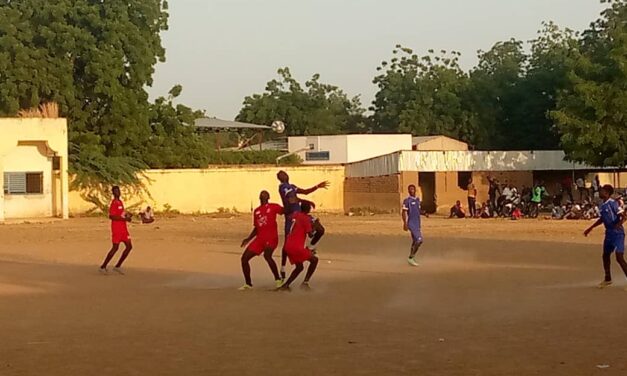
16, 183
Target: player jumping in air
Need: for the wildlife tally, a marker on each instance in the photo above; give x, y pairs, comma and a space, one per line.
291, 204
266, 239
613, 217
119, 232
411, 222
295, 246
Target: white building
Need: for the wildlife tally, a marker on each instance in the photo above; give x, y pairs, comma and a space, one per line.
341, 149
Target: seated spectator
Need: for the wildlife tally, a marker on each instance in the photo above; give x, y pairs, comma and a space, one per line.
457, 211
147, 216
590, 210
517, 213
574, 212
485, 211
558, 212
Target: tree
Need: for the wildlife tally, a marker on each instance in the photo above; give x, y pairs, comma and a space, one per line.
495, 92
545, 76
95, 59
423, 96
591, 112
173, 143
316, 109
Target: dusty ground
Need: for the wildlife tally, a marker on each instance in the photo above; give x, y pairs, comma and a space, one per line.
492, 297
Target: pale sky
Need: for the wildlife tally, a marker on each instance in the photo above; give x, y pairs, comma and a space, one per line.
224, 50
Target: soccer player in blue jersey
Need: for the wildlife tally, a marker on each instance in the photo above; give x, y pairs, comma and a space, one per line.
613, 217
411, 222
291, 204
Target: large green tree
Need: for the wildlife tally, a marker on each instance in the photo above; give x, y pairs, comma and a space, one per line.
591, 112
494, 92
95, 58
423, 96
313, 109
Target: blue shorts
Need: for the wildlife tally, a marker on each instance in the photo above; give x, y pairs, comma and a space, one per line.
614, 243
416, 234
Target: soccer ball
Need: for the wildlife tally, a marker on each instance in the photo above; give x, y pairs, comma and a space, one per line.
278, 126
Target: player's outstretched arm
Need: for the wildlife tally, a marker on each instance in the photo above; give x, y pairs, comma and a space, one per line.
596, 224
250, 237
323, 185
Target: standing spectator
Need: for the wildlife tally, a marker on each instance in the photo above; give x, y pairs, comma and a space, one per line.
536, 199
472, 198
596, 184
581, 187
494, 191
567, 187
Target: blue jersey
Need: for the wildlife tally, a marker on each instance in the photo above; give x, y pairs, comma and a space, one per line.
412, 206
610, 215
287, 190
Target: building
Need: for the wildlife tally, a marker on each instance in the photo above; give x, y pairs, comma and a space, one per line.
33, 168
442, 176
342, 149
438, 143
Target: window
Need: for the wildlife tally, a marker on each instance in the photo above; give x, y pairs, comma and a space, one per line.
317, 156
23, 183
463, 178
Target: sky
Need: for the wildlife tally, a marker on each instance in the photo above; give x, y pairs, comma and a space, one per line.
224, 50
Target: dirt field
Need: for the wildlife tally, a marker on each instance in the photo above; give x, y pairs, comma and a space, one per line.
491, 297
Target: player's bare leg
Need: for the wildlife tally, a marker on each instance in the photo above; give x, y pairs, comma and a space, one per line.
295, 273
620, 258
112, 252
607, 261
246, 257
283, 263
415, 246
318, 234
128, 247
267, 255
313, 264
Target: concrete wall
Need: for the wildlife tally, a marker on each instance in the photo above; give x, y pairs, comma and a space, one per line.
208, 190
28, 145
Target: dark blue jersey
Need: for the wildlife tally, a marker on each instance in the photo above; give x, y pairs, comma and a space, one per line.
287, 191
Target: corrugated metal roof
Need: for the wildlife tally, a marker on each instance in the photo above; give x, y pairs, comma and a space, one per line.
213, 123
440, 161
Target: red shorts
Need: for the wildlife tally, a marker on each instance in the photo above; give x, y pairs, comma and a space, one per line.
298, 255
260, 244
120, 237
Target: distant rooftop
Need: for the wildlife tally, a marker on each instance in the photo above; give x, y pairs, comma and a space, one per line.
213, 123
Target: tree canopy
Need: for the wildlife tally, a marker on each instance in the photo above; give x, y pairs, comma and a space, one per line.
310, 109
591, 113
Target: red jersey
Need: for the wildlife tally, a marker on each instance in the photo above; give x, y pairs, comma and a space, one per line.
117, 209
301, 226
264, 220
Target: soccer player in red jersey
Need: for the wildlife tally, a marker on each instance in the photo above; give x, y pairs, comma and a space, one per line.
295, 249
119, 232
266, 238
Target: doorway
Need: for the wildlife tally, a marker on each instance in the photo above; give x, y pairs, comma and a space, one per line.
426, 181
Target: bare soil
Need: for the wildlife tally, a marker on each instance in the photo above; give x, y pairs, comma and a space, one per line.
491, 297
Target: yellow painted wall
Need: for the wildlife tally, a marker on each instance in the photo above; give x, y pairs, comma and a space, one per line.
27, 158
27, 145
208, 190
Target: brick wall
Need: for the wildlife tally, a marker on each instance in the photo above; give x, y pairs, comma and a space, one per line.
381, 193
